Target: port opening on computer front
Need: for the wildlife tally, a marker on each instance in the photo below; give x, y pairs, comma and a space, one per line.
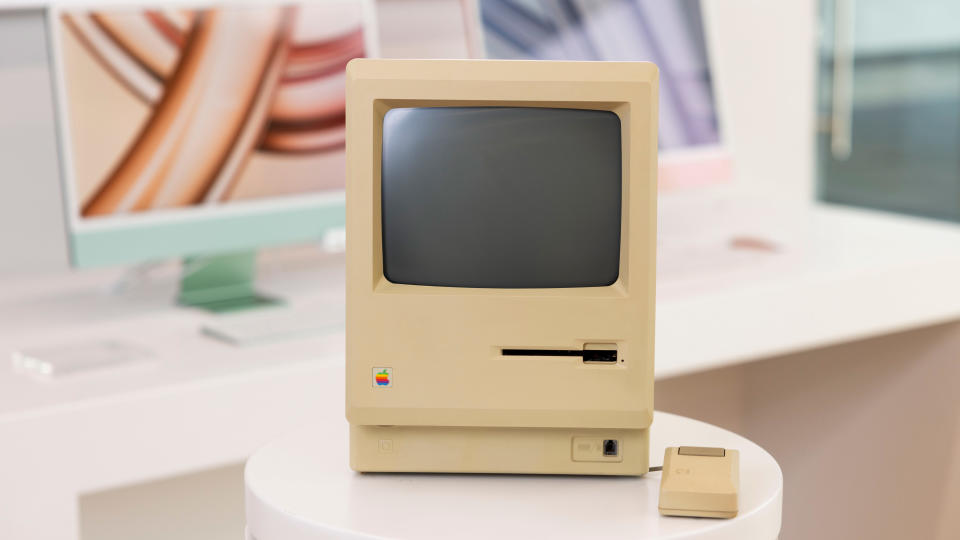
611, 447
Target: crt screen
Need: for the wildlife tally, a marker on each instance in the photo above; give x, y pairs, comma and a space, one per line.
501, 197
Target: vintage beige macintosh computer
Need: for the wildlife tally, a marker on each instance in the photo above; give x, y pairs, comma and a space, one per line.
501, 237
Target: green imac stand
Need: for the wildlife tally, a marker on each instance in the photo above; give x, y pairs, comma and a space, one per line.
222, 283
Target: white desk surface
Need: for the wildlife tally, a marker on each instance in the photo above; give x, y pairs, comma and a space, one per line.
202, 404
300, 487
842, 274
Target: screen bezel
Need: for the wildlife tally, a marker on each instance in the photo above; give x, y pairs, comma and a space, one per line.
624, 88
629, 99
619, 108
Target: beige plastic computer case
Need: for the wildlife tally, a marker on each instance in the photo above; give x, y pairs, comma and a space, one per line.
448, 400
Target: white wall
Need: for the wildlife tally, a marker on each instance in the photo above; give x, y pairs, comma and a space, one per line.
32, 229
422, 29
764, 61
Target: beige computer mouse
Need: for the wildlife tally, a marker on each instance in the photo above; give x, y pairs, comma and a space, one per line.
700, 481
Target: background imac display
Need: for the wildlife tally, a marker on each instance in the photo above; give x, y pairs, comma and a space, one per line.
188, 131
670, 34
501, 197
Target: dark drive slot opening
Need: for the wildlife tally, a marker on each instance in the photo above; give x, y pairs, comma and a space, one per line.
540, 352
592, 356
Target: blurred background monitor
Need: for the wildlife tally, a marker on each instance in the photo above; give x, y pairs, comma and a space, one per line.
203, 132
670, 34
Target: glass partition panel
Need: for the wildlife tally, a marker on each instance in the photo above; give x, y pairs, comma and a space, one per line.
889, 105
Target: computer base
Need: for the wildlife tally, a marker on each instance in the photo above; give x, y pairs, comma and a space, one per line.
495, 450
221, 283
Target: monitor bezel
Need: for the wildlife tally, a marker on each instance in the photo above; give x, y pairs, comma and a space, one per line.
624, 88
188, 231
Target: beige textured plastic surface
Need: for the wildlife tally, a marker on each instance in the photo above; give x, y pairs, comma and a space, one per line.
494, 450
703, 482
439, 347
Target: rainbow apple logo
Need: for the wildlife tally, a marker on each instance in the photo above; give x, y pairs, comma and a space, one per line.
382, 377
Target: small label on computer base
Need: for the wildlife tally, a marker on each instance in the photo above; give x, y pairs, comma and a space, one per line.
382, 377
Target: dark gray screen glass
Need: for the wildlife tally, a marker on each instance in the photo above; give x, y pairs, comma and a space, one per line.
501, 197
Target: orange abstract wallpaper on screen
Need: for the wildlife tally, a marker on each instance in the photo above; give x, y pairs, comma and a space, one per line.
176, 108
